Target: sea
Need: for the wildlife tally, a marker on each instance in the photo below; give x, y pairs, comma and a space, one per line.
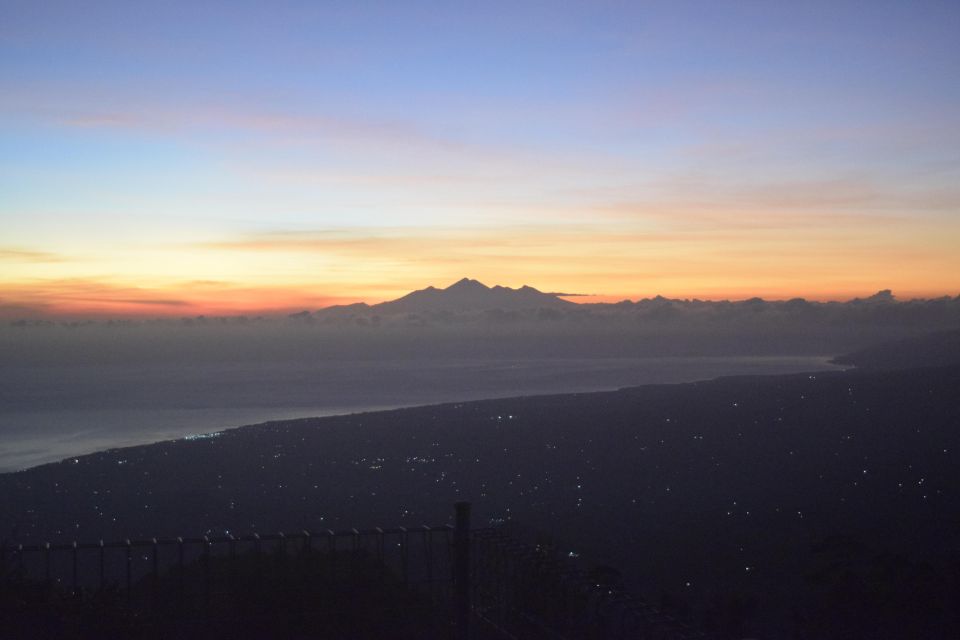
53, 412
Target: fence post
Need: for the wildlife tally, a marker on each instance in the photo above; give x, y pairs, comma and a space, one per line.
127, 544
461, 569
46, 564
76, 581
103, 575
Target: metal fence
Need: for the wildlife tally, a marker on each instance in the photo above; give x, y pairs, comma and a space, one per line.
346, 583
440, 581
526, 591
420, 556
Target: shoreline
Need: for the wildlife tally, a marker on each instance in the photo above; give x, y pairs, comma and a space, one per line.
678, 486
292, 414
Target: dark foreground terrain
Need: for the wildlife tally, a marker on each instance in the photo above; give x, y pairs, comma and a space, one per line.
823, 505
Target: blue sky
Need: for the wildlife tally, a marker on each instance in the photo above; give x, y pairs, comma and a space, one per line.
807, 126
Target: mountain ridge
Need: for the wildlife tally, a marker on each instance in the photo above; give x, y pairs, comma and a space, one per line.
465, 294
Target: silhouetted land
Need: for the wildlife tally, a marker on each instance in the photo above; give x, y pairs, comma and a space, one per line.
940, 348
762, 505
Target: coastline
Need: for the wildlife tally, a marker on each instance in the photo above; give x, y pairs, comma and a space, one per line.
90, 430
678, 486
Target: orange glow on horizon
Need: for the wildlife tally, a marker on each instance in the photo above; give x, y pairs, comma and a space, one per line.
154, 184
286, 272
118, 302
121, 303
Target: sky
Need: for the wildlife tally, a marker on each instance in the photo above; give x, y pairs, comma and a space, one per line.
179, 158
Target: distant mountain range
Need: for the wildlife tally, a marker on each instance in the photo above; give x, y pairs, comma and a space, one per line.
463, 295
473, 299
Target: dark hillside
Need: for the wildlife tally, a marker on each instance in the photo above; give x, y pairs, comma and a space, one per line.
748, 502
941, 348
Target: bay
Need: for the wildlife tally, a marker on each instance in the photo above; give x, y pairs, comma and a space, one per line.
48, 413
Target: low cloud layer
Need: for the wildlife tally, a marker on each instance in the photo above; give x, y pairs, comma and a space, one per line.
649, 327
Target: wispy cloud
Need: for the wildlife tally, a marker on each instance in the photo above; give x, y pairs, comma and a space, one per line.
89, 297
159, 302
699, 203
15, 254
275, 124
98, 120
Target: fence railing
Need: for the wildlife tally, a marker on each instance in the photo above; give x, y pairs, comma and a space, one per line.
526, 591
431, 581
81, 567
353, 583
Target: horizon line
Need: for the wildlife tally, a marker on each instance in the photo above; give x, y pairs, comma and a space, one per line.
103, 309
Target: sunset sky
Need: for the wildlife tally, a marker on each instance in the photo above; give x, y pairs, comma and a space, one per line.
233, 157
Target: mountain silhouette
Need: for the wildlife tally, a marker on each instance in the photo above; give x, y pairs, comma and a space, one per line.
471, 295
464, 295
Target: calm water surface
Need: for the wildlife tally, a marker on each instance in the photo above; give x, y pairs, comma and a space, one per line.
48, 413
